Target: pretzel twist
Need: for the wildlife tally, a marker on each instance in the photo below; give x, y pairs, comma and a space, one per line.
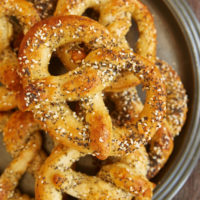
56, 176
15, 138
80, 81
12, 174
23, 142
19, 8
116, 17
40, 87
129, 174
8, 59
129, 106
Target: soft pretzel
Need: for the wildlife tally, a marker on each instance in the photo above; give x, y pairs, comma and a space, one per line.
12, 174
80, 81
19, 9
8, 59
129, 173
128, 106
15, 138
40, 98
9, 77
162, 144
57, 177
116, 16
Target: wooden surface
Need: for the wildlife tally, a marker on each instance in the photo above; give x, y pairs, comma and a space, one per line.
191, 189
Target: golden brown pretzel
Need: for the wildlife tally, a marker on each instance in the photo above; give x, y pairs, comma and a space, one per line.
8, 60
12, 174
77, 78
19, 9
162, 144
129, 173
44, 104
116, 16
20, 127
23, 142
128, 106
57, 177
9, 77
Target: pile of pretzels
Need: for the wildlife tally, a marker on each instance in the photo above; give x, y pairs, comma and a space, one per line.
92, 107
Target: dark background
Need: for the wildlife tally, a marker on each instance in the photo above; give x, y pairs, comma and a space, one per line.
191, 189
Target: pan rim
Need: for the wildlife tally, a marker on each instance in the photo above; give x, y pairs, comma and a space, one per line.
190, 28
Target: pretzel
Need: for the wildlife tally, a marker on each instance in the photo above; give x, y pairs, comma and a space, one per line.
37, 85
129, 174
12, 174
19, 8
56, 177
8, 77
87, 81
23, 142
8, 60
116, 16
15, 138
162, 144
129, 106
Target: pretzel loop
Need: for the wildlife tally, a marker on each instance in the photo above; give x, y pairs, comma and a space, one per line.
56, 175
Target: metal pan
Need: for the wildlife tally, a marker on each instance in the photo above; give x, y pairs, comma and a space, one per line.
186, 29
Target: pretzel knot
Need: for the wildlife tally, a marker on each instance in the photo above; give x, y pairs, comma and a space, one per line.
57, 177
46, 95
8, 58
116, 17
23, 142
129, 173
128, 106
